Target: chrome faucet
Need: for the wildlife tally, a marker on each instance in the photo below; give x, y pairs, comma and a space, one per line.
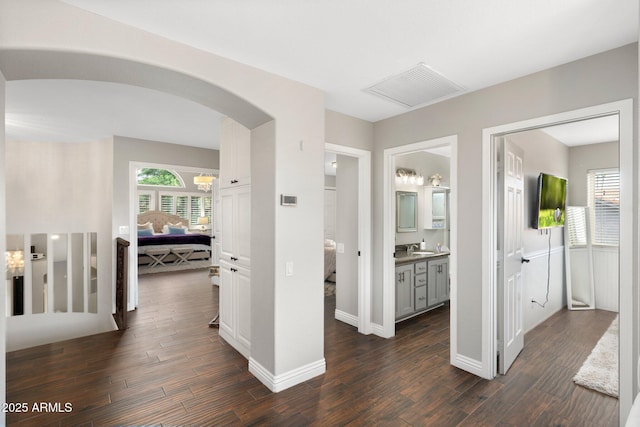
411, 248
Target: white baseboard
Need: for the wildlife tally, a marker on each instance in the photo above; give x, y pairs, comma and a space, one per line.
277, 383
378, 330
347, 318
468, 364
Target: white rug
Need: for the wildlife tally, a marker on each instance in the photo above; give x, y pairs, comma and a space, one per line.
600, 371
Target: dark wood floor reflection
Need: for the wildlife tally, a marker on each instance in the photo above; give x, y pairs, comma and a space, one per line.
169, 368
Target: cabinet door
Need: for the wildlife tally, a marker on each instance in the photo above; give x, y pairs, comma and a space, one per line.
235, 223
227, 220
225, 305
235, 154
432, 281
242, 229
404, 290
243, 304
438, 281
443, 281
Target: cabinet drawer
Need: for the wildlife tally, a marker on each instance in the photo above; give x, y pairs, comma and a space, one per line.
420, 280
421, 298
421, 267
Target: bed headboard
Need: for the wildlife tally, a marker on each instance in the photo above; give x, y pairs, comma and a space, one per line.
160, 219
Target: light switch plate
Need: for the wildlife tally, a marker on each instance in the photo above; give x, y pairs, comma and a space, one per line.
123, 229
340, 248
289, 268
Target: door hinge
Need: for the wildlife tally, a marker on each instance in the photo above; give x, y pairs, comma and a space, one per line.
358, 253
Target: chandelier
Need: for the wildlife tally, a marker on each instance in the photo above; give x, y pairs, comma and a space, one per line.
204, 182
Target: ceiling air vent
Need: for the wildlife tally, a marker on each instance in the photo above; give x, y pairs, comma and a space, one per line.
417, 86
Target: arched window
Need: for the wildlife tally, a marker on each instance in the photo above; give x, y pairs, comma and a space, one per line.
159, 178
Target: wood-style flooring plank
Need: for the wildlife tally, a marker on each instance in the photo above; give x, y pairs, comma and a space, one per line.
170, 368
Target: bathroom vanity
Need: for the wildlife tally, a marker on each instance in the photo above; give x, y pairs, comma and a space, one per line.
422, 282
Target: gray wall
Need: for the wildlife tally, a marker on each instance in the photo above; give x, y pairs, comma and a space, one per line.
606, 77
586, 157
347, 234
341, 129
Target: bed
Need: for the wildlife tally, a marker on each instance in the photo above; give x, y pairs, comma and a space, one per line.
329, 258
166, 244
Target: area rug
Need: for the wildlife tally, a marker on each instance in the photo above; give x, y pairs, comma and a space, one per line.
329, 289
600, 371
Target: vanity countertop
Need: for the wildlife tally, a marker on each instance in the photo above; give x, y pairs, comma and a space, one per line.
405, 258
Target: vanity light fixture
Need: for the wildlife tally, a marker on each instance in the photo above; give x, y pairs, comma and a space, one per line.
204, 182
409, 176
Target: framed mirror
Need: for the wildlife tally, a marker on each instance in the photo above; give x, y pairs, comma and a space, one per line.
579, 259
406, 211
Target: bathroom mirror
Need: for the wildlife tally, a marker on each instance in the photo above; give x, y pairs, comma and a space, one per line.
406, 211
578, 259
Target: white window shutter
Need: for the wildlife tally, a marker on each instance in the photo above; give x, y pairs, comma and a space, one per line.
604, 204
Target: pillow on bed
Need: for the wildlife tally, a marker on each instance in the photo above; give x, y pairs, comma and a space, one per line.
145, 232
146, 226
165, 228
177, 230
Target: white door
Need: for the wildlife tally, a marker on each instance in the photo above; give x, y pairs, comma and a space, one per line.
511, 227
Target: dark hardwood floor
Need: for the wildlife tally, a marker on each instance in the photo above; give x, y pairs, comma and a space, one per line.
169, 368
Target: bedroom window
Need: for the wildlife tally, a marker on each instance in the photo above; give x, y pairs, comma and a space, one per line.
146, 201
604, 206
187, 205
160, 178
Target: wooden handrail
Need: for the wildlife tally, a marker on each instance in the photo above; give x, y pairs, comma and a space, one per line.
122, 275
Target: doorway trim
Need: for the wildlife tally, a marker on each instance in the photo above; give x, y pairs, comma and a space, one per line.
132, 290
364, 231
627, 252
388, 329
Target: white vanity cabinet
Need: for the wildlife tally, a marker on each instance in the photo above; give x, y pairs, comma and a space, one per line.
435, 208
234, 218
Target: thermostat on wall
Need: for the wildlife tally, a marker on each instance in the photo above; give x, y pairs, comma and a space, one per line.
288, 200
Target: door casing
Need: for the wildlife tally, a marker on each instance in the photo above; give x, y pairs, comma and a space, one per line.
628, 306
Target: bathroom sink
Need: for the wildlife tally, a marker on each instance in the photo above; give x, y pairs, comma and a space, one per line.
423, 253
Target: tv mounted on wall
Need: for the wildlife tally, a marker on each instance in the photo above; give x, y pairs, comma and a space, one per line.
550, 202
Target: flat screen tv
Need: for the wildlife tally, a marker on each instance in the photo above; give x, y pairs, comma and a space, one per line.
550, 202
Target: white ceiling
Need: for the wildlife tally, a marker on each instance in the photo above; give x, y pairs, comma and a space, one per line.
80, 110
342, 48
591, 131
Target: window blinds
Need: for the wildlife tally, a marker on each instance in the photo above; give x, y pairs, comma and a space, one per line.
189, 206
576, 221
604, 206
145, 202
